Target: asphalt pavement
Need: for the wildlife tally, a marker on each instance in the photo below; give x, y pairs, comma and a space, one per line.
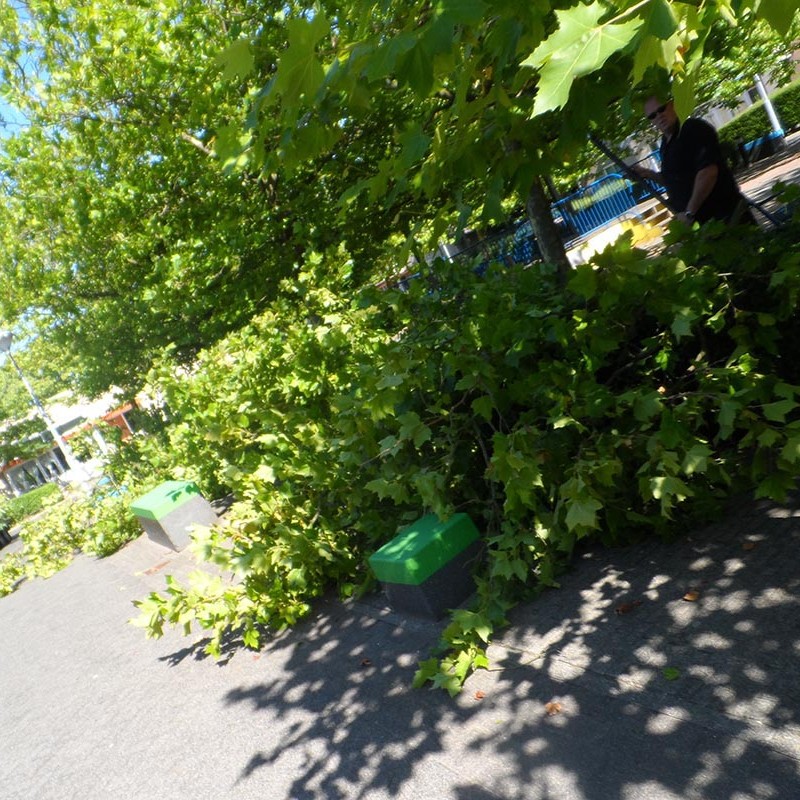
613, 687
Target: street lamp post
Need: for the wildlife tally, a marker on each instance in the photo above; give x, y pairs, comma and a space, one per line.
777, 128
74, 465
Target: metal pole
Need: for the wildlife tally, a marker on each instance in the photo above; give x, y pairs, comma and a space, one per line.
71, 460
777, 128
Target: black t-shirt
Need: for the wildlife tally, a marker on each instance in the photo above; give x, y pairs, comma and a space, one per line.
693, 146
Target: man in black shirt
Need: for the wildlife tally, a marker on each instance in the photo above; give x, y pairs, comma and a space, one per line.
699, 183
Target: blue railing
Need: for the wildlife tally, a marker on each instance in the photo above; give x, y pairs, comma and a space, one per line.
597, 204
576, 215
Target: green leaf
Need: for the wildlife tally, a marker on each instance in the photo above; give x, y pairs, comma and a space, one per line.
648, 52
567, 422
385, 57
231, 147
416, 69
665, 487
413, 428
682, 324
414, 144
299, 71
671, 673
778, 13
582, 512
728, 410
683, 93
251, 639
388, 381
696, 460
776, 486
464, 12
584, 281
422, 434
426, 672
768, 437
791, 450
777, 411
659, 19
237, 60
265, 473
647, 406
483, 406
580, 46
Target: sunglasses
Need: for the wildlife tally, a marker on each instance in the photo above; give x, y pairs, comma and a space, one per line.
659, 110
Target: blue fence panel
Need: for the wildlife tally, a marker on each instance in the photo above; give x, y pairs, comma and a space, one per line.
604, 200
576, 215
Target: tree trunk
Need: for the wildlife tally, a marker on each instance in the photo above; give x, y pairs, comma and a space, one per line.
547, 234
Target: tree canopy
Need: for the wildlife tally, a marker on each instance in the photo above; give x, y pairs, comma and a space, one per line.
181, 158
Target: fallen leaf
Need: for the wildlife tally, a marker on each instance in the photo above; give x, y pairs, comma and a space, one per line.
479, 695
749, 545
365, 662
626, 608
692, 596
671, 673
552, 708
156, 568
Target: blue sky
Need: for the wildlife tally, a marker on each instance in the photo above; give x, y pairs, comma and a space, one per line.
12, 119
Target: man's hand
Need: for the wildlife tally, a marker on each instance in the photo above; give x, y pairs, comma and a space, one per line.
685, 218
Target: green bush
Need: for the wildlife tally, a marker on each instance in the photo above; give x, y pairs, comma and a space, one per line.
18, 508
12, 571
630, 404
6, 520
112, 524
94, 524
754, 123
51, 541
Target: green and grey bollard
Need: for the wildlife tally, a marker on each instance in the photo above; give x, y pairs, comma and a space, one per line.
167, 513
427, 567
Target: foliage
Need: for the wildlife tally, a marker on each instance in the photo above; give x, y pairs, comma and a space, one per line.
12, 571
16, 509
85, 446
627, 405
95, 524
118, 225
111, 524
51, 541
24, 439
23, 432
754, 123
741, 56
122, 230
37, 367
181, 159
497, 98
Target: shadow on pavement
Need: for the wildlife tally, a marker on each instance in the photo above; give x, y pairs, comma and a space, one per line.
663, 696
614, 687
345, 704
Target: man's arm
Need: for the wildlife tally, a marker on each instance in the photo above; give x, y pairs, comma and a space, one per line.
704, 182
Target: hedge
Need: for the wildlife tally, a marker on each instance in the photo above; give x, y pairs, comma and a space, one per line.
753, 122
18, 508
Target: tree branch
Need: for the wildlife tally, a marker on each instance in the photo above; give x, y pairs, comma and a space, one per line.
193, 140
